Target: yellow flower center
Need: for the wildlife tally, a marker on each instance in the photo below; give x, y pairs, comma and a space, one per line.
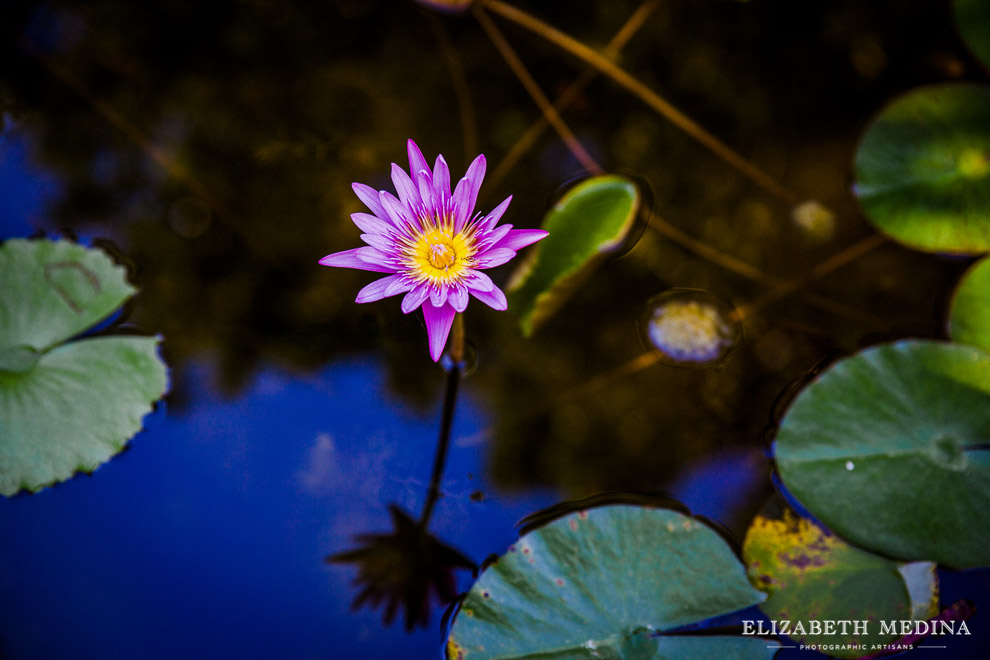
442, 255
438, 255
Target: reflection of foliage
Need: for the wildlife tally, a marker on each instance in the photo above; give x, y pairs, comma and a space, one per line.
404, 570
263, 113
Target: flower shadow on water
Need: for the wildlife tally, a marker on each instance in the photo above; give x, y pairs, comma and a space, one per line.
404, 569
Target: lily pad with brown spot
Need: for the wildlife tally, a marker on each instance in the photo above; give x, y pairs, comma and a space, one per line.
813, 577
608, 582
66, 405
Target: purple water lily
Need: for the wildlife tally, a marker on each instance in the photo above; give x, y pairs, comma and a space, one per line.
432, 243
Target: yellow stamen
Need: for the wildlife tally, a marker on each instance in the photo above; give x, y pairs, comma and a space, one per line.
442, 255
438, 255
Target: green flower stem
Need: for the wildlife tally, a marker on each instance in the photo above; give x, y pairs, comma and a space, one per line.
446, 418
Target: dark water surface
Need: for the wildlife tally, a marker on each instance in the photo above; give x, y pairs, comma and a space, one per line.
215, 143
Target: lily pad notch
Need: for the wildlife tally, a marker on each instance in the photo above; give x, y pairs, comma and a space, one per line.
68, 402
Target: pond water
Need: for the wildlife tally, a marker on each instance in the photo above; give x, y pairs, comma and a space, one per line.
214, 149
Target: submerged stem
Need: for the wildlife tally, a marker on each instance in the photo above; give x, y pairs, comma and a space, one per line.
446, 417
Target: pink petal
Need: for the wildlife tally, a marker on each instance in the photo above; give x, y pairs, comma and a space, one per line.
405, 188
494, 257
418, 166
382, 243
398, 214
350, 259
458, 297
441, 179
438, 322
493, 237
371, 224
478, 281
466, 193
376, 290
492, 218
426, 194
416, 297
520, 238
494, 298
400, 285
369, 197
438, 296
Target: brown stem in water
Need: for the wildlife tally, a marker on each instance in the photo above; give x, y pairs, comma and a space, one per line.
541, 100
571, 93
644, 93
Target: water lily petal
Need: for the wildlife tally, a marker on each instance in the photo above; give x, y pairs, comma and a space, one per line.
438, 295
466, 193
398, 214
478, 281
494, 257
428, 196
441, 180
418, 166
494, 298
458, 297
493, 237
406, 189
371, 255
520, 238
369, 197
492, 218
416, 297
377, 289
371, 224
438, 322
382, 243
351, 259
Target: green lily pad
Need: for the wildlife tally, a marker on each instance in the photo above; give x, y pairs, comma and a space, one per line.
969, 319
973, 19
590, 222
66, 407
923, 169
813, 577
607, 583
888, 448
53, 290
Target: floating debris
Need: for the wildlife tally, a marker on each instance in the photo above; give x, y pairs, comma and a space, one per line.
815, 219
691, 327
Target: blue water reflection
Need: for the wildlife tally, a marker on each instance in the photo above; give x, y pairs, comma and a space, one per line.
207, 537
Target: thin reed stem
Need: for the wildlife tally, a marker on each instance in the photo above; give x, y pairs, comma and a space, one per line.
644, 93
533, 89
571, 93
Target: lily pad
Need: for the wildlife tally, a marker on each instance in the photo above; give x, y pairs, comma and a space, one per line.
608, 582
888, 448
923, 169
591, 222
969, 320
973, 19
813, 577
66, 407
